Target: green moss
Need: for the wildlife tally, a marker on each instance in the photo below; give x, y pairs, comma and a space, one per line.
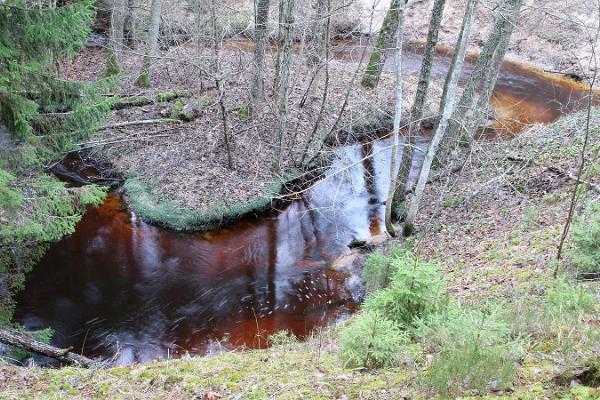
164, 97
112, 67
143, 80
168, 214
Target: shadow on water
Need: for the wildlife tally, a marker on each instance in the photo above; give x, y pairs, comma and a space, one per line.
120, 287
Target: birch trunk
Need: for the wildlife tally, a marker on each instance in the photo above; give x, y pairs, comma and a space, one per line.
287, 18
468, 97
447, 110
261, 18
491, 76
145, 78
384, 38
397, 118
470, 12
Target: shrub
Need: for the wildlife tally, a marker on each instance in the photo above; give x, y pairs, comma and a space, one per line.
472, 349
370, 341
282, 338
586, 238
564, 299
416, 290
378, 269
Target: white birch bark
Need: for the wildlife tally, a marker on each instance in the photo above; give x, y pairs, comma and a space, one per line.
447, 110
397, 118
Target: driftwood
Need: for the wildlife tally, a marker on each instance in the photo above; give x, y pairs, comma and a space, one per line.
18, 339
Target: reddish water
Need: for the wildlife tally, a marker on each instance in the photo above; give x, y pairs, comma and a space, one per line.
522, 95
119, 287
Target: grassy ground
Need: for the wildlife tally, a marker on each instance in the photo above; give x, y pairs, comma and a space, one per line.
493, 231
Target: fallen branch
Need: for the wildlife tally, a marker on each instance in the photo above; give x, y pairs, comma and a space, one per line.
140, 122
569, 175
23, 341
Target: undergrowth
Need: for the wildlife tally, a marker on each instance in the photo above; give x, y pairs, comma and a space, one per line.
461, 347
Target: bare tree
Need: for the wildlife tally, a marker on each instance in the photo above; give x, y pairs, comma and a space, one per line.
447, 107
261, 18
285, 61
471, 121
485, 72
416, 113
594, 38
384, 38
144, 80
397, 118
117, 27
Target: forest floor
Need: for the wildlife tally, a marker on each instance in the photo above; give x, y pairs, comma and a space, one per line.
180, 163
494, 235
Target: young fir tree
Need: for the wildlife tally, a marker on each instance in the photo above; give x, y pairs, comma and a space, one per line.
41, 117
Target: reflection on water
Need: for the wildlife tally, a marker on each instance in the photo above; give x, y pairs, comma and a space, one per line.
120, 286
521, 96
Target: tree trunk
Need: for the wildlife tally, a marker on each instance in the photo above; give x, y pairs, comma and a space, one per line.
477, 78
491, 75
454, 64
14, 338
219, 82
130, 25
117, 27
287, 18
416, 112
384, 38
397, 118
145, 77
261, 18
447, 110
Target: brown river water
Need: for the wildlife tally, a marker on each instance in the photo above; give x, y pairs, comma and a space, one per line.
119, 287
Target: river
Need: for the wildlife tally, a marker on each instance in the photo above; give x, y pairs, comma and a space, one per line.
123, 289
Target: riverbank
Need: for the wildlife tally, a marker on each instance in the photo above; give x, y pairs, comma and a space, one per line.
499, 222
176, 159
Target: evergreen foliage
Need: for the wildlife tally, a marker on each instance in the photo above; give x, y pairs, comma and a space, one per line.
378, 269
41, 118
370, 341
564, 299
472, 349
416, 290
586, 238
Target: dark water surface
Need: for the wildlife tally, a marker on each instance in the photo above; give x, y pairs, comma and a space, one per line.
522, 95
120, 287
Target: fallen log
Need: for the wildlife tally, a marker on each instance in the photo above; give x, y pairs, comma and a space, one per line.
23, 341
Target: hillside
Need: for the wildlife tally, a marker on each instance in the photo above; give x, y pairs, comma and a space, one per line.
494, 237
